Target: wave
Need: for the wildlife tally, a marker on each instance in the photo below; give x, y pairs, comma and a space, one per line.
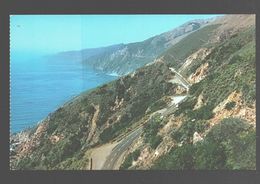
114, 74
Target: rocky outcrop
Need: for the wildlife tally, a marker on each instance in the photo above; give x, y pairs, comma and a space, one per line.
199, 74
200, 102
56, 138
198, 55
196, 138
179, 90
106, 114
122, 59
118, 103
232, 24
240, 110
233, 97
93, 126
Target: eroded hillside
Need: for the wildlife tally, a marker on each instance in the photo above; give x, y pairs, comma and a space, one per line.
192, 108
217, 120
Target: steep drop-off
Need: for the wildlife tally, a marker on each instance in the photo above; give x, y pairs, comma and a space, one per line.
207, 130
125, 58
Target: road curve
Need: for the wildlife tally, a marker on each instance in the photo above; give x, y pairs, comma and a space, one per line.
123, 145
119, 149
181, 78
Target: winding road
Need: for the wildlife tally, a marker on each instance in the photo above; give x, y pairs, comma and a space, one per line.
113, 159
182, 80
120, 148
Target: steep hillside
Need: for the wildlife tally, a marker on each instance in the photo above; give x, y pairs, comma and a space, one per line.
194, 112
79, 56
95, 118
218, 118
125, 58
176, 54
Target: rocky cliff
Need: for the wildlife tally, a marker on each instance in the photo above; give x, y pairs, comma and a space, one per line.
125, 58
195, 105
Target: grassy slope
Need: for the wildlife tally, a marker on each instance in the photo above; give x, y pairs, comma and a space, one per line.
235, 54
73, 120
177, 53
140, 53
229, 145
149, 85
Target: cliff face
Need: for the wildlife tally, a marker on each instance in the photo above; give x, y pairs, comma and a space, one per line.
125, 58
96, 117
175, 121
218, 117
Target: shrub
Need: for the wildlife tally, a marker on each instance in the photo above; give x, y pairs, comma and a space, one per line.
203, 113
201, 126
230, 105
152, 127
185, 132
180, 158
210, 155
155, 141
150, 131
158, 105
242, 151
196, 88
231, 144
113, 130
185, 106
130, 158
227, 129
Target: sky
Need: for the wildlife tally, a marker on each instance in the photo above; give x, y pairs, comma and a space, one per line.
58, 33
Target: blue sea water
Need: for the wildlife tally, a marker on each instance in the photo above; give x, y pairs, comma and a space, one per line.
39, 86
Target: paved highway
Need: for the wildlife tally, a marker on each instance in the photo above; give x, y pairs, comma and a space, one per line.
185, 83
126, 142
119, 149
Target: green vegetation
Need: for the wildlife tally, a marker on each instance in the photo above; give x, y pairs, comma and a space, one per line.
186, 106
72, 120
78, 161
187, 129
180, 158
150, 131
201, 125
159, 104
49, 156
121, 104
136, 54
231, 68
155, 141
203, 113
148, 96
230, 105
192, 67
129, 159
231, 144
191, 43
114, 130
209, 155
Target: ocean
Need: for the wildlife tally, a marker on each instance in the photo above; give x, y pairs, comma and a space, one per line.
39, 86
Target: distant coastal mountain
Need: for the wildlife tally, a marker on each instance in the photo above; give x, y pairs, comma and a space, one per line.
125, 58
192, 108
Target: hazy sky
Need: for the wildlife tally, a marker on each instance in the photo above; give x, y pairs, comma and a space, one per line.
56, 33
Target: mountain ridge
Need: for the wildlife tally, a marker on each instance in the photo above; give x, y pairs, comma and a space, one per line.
221, 73
125, 58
